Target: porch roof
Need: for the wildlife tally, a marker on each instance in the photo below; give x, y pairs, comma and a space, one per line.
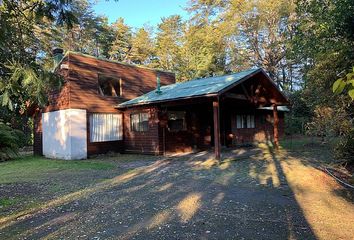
189, 89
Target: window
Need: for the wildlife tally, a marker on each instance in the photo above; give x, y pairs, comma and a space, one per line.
139, 122
245, 121
106, 127
177, 121
109, 85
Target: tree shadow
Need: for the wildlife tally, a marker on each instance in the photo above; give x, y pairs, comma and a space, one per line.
182, 198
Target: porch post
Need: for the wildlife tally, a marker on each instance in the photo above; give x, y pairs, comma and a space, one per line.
216, 128
276, 123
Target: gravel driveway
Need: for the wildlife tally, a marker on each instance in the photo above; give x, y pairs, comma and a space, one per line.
253, 194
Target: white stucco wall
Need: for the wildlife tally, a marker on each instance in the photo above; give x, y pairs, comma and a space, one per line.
65, 134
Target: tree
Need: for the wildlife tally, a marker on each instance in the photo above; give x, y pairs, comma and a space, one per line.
256, 33
143, 49
122, 43
168, 42
324, 42
22, 75
345, 82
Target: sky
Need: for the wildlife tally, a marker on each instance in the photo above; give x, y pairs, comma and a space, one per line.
138, 12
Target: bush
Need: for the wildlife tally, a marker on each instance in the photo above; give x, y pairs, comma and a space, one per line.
10, 141
328, 123
22, 138
344, 150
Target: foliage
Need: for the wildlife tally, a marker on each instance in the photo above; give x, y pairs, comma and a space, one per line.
344, 150
328, 122
121, 45
10, 141
22, 75
299, 115
345, 82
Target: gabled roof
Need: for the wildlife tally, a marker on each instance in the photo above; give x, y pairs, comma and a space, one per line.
193, 88
108, 60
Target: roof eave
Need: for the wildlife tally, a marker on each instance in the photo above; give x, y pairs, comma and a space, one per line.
167, 100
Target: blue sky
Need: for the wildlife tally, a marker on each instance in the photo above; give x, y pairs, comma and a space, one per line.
138, 12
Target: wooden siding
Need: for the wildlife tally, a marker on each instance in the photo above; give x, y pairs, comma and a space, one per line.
59, 99
262, 132
80, 91
142, 142
80, 88
84, 86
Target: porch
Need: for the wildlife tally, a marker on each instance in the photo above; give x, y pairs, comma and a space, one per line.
190, 126
205, 113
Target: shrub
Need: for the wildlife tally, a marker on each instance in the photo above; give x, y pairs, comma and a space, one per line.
10, 141
328, 123
344, 150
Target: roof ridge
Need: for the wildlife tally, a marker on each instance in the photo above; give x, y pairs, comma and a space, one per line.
226, 75
118, 62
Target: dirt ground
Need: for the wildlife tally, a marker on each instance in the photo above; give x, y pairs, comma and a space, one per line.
253, 194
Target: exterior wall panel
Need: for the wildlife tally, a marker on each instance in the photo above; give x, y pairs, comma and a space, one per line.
142, 142
64, 134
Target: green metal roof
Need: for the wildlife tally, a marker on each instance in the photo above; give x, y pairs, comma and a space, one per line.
189, 89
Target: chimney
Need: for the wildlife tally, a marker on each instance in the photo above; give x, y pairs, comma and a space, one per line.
58, 54
158, 84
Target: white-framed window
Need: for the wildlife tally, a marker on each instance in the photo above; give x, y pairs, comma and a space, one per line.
139, 122
245, 121
106, 127
177, 121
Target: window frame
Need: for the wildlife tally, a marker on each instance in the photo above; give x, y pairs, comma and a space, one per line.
139, 126
112, 78
91, 127
245, 121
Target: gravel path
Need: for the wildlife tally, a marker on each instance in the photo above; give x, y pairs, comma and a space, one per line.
189, 197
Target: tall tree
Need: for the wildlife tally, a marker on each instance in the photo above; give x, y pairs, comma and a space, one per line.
23, 78
169, 41
143, 49
257, 33
324, 42
122, 43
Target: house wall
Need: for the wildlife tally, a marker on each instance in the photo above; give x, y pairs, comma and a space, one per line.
80, 91
262, 132
84, 86
65, 134
142, 142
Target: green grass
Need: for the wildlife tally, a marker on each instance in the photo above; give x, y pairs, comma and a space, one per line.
33, 167
298, 143
8, 202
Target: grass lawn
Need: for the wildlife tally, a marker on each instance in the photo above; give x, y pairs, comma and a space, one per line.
34, 168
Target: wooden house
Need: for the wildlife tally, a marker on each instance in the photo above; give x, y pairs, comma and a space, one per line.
110, 106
